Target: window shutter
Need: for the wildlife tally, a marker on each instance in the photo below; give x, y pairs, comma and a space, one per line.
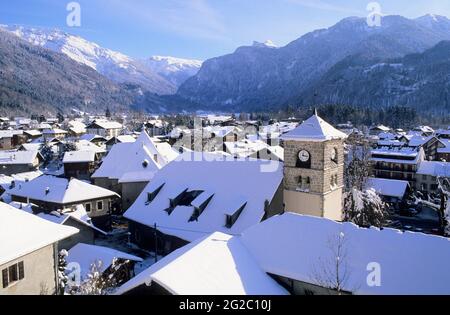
21, 270
5, 278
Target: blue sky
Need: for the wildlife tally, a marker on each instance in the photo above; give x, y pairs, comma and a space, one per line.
199, 28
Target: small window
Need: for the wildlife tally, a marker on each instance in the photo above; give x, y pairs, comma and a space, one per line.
152, 195
100, 205
88, 207
232, 218
13, 273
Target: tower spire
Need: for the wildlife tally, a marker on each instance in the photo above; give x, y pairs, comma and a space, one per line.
315, 111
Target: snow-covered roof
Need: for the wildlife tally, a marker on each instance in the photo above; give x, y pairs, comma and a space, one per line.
17, 157
217, 264
6, 134
33, 133
78, 214
213, 119
60, 190
85, 145
387, 136
53, 131
178, 131
31, 146
157, 123
79, 157
446, 149
6, 181
106, 124
301, 248
434, 168
44, 126
22, 233
91, 137
245, 148
137, 177
314, 129
126, 138
417, 141
139, 157
401, 155
208, 174
218, 131
87, 255
381, 127
388, 187
426, 129
27, 207
277, 151
77, 126
395, 143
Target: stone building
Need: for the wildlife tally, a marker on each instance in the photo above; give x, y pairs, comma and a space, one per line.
314, 169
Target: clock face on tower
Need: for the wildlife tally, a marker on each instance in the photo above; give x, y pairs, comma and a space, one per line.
304, 156
304, 159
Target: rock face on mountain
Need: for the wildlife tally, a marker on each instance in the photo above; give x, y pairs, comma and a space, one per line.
421, 81
36, 80
261, 76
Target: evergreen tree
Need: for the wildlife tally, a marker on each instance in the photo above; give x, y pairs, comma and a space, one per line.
365, 208
60, 117
47, 154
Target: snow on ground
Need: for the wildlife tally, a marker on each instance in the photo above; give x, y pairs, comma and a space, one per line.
118, 239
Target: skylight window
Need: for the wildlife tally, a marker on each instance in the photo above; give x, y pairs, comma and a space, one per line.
183, 199
198, 210
232, 218
152, 195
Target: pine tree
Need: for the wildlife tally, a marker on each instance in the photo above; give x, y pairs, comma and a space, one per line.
47, 154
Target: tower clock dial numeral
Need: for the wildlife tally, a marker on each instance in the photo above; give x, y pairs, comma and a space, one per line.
304, 156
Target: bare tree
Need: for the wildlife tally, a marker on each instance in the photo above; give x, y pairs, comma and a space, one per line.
332, 272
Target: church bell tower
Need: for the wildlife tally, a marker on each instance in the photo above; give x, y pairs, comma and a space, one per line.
314, 169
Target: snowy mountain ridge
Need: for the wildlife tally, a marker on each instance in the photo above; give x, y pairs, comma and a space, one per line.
176, 70
163, 76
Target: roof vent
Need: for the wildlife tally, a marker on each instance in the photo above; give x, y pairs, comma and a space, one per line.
145, 163
47, 190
